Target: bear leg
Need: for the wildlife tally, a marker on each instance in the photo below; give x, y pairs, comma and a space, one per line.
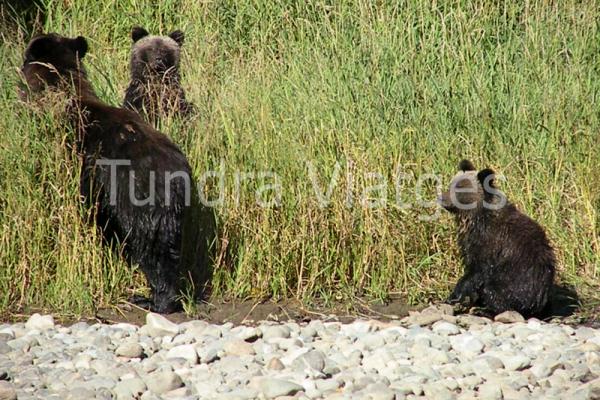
466, 291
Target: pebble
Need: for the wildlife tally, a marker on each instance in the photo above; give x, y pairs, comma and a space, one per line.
163, 381
184, 351
508, 317
7, 391
430, 354
272, 387
157, 325
130, 350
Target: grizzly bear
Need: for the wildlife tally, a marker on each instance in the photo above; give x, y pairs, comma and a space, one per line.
155, 88
137, 180
508, 261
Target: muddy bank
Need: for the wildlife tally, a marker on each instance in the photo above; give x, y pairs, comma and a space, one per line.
251, 312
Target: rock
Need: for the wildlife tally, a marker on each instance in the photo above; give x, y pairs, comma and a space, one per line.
422, 319
238, 347
129, 389
467, 344
445, 328
157, 325
275, 332
486, 365
590, 390
39, 322
275, 364
436, 391
489, 391
543, 369
7, 391
272, 387
130, 350
163, 381
516, 362
313, 359
207, 354
247, 333
509, 317
442, 308
185, 351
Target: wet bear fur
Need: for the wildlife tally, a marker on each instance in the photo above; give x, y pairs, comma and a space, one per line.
166, 238
155, 87
508, 261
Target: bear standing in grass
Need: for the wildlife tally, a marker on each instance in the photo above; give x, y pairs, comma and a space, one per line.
155, 88
509, 263
136, 177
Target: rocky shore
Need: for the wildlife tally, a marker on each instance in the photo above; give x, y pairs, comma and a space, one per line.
431, 354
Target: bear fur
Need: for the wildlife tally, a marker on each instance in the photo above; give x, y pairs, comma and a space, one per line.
155, 87
164, 236
508, 261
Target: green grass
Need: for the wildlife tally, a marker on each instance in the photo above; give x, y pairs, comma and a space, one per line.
411, 86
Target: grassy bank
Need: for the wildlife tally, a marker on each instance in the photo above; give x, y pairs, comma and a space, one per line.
347, 95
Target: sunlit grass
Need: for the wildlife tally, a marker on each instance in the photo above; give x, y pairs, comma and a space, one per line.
408, 86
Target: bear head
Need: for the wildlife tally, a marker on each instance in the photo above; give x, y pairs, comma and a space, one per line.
49, 58
154, 55
472, 191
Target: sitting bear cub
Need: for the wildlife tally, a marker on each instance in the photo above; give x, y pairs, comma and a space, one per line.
509, 263
136, 177
155, 88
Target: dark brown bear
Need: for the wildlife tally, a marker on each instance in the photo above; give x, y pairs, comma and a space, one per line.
155, 88
509, 263
136, 177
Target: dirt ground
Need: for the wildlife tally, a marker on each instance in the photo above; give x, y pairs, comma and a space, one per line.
251, 312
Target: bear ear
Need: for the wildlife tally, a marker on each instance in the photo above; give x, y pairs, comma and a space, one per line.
137, 32
80, 46
178, 36
466, 165
484, 174
39, 48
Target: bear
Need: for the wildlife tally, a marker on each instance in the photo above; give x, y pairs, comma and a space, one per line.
135, 179
509, 263
155, 88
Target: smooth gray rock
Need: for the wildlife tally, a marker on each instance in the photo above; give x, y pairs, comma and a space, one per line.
185, 351
445, 328
130, 350
313, 359
275, 332
467, 344
163, 381
157, 325
273, 387
238, 347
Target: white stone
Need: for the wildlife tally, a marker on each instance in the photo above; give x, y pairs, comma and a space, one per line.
39, 322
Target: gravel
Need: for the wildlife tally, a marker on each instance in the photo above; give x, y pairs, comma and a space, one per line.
428, 355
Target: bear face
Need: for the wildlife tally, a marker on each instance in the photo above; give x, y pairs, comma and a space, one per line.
155, 56
155, 89
48, 60
471, 191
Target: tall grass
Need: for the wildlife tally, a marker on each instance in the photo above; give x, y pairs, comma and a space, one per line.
323, 90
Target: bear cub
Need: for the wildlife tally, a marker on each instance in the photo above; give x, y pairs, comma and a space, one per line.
155, 88
508, 261
137, 180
